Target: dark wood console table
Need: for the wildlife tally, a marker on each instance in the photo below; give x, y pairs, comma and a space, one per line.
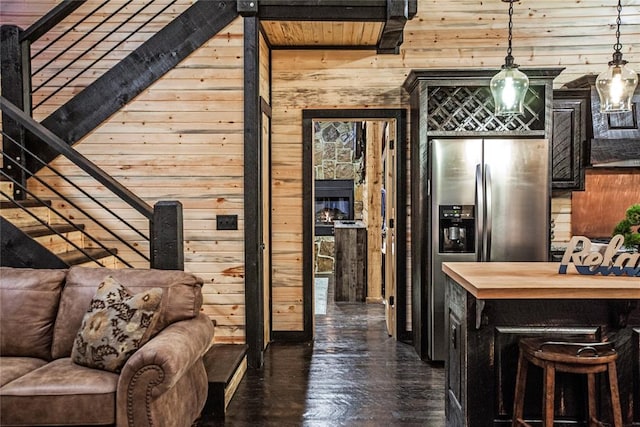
492, 305
350, 261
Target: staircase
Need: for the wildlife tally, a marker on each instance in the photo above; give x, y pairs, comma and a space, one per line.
69, 101
51, 242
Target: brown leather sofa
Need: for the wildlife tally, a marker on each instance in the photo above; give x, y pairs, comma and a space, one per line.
163, 383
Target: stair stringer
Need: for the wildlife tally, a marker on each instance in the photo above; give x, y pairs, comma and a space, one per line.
20, 250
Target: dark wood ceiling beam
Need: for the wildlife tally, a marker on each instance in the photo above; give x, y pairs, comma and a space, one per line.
392, 32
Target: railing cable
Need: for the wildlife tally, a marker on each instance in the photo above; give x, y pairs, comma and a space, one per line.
101, 57
81, 38
80, 209
45, 224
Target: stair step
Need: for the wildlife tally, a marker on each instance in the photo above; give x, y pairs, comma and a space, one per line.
78, 258
107, 262
40, 230
27, 203
7, 188
226, 365
62, 240
20, 218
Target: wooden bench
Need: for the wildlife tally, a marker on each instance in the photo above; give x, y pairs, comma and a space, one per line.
226, 365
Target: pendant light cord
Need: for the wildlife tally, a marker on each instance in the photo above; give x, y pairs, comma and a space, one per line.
511, 28
617, 48
508, 60
618, 45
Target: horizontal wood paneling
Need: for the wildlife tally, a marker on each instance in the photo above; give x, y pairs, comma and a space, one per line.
75, 53
182, 138
577, 35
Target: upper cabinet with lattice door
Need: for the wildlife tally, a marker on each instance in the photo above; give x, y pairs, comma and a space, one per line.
459, 103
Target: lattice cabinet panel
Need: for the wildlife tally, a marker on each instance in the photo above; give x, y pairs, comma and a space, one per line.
471, 109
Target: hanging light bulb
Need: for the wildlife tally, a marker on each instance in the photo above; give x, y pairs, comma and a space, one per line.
510, 85
616, 85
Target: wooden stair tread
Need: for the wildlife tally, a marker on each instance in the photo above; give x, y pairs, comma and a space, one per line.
41, 230
77, 257
27, 203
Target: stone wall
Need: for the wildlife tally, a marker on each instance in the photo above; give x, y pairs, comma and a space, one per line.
338, 154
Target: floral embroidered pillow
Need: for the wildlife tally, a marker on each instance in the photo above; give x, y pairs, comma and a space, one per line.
115, 326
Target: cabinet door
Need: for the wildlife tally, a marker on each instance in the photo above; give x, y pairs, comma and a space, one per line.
616, 135
568, 144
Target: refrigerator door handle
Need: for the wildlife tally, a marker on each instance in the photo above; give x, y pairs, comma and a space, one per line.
479, 214
488, 211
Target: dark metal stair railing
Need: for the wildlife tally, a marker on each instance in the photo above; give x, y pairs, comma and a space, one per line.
66, 179
80, 55
75, 206
165, 219
19, 205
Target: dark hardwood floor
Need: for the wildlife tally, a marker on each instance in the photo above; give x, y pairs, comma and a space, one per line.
353, 374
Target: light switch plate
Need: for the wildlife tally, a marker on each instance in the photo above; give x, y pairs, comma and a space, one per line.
227, 222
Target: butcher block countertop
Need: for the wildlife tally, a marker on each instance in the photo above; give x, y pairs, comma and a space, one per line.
537, 280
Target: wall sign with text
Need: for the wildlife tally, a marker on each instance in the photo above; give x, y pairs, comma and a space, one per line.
611, 260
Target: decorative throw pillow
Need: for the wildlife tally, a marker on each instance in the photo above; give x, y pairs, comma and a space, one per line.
115, 326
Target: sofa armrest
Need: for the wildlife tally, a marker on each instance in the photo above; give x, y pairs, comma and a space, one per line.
158, 365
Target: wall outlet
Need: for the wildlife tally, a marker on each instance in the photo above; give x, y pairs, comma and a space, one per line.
226, 222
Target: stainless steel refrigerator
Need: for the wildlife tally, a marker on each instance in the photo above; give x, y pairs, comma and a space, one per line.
489, 201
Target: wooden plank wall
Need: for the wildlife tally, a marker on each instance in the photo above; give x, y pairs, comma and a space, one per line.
182, 138
116, 29
372, 211
577, 35
187, 134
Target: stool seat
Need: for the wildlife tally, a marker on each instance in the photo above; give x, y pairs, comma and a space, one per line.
553, 356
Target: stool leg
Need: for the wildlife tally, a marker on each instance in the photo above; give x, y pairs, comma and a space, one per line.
521, 383
548, 396
615, 395
591, 396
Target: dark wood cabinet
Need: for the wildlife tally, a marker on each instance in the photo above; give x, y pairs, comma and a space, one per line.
613, 139
616, 136
570, 137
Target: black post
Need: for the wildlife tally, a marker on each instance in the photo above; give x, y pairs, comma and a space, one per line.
167, 242
15, 91
253, 277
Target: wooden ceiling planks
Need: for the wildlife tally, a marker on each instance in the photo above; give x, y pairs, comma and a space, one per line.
322, 33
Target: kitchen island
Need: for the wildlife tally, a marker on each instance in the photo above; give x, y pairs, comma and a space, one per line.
490, 306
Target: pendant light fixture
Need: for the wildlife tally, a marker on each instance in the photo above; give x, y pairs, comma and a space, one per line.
510, 85
615, 86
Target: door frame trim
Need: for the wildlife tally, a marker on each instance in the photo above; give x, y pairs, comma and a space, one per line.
400, 117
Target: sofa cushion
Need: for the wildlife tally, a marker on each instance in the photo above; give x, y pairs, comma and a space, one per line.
60, 393
15, 367
182, 298
29, 301
116, 325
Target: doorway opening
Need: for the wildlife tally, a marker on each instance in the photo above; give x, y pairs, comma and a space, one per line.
354, 185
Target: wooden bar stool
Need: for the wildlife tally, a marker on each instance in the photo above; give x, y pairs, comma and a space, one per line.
575, 358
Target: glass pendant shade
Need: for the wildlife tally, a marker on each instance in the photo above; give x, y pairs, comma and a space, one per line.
615, 87
509, 88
